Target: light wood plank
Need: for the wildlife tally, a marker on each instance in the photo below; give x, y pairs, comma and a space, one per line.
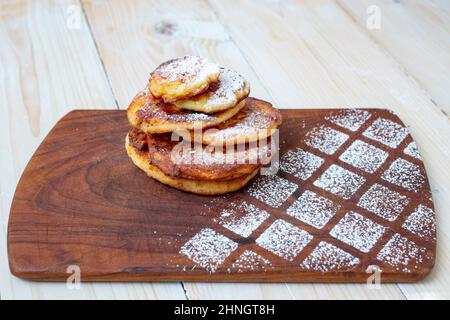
46, 70
310, 54
417, 34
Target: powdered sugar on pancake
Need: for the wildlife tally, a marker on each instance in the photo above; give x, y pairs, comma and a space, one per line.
187, 68
229, 85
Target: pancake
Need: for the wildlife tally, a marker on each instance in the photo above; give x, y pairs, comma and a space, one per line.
256, 121
182, 78
152, 115
140, 159
182, 159
229, 89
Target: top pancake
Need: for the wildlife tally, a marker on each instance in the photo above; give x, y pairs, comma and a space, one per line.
152, 115
230, 88
257, 120
182, 78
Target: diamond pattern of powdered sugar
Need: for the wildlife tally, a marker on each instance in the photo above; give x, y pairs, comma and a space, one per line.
284, 239
300, 163
313, 209
357, 231
325, 139
386, 132
383, 202
421, 222
364, 156
251, 261
405, 174
209, 249
339, 181
242, 218
327, 257
272, 190
412, 150
403, 254
351, 119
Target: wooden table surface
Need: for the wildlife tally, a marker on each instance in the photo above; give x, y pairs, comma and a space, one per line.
61, 55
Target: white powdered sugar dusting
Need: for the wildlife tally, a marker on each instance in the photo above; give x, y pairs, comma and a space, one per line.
339, 181
325, 139
251, 261
351, 119
284, 239
327, 257
187, 68
300, 163
412, 150
357, 231
383, 202
403, 254
422, 223
242, 218
405, 174
313, 209
209, 249
386, 132
229, 84
271, 189
364, 156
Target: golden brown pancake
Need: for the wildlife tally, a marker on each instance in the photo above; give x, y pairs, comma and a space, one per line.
256, 121
225, 93
183, 159
182, 78
152, 115
140, 159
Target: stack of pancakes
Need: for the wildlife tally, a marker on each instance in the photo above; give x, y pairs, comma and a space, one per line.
195, 128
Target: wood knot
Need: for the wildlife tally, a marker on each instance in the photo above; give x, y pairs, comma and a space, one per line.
166, 28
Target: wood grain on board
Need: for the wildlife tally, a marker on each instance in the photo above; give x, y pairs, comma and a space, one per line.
352, 193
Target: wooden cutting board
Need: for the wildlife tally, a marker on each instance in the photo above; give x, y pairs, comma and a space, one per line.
352, 192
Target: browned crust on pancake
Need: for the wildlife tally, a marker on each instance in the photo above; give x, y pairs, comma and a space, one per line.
140, 159
195, 165
152, 115
182, 78
255, 121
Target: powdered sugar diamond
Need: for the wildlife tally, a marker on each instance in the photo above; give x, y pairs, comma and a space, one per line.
284, 239
300, 163
325, 139
358, 231
209, 249
313, 209
386, 132
271, 189
384, 202
364, 156
339, 181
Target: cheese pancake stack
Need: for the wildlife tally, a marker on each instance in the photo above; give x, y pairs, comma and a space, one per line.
194, 127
